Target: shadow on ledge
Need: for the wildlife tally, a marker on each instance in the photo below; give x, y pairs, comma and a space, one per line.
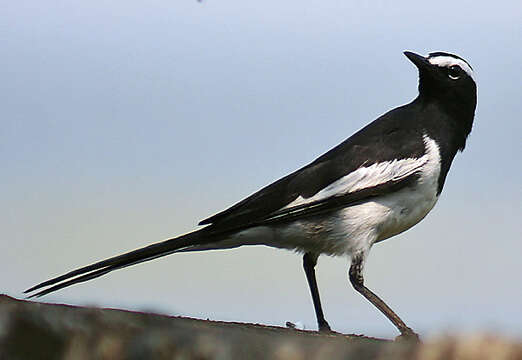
31, 330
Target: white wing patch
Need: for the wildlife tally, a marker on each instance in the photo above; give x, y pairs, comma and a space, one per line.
447, 61
376, 174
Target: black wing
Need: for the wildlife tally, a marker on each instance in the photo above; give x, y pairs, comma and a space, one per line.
395, 135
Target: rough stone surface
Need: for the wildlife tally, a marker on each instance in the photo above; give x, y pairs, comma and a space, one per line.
31, 330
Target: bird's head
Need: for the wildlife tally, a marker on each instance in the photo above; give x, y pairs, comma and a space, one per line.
445, 76
448, 79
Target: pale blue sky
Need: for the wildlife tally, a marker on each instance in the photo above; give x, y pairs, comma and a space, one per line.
123, 123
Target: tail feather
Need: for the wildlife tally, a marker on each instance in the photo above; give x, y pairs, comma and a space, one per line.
103, 267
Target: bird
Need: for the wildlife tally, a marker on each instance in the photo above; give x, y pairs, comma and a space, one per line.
378, 183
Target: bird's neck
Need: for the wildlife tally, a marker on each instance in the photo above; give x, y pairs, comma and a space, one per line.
457, 117
449, 125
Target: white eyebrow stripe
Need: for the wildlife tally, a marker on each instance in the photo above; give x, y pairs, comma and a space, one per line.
447, 61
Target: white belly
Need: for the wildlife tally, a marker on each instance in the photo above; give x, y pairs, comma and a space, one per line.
357, 227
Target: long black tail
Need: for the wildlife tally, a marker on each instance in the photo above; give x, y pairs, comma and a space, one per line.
103, 267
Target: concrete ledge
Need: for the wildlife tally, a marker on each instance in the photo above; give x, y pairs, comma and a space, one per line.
32, 330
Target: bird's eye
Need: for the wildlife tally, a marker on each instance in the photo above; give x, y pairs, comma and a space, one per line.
454, 72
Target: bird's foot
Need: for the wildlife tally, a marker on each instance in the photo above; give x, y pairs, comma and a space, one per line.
324, 328
408, 335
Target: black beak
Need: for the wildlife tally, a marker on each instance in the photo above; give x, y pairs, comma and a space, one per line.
420, 61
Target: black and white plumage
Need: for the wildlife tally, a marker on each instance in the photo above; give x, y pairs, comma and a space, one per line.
376, 184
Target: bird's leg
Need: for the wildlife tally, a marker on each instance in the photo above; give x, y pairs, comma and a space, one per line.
309, 262
357, 280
